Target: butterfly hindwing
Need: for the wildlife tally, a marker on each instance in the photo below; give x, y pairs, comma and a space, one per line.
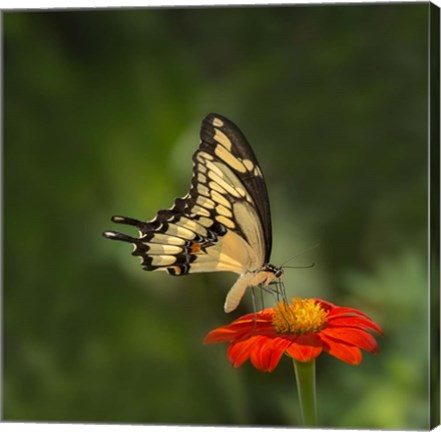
222, 224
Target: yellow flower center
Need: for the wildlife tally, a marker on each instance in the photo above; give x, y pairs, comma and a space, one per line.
301, 316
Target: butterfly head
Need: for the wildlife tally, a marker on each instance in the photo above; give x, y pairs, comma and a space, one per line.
277, 271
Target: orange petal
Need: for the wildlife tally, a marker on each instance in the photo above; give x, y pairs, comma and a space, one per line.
352, 336
262, 316
354, 321
253, 328
245, 326
345, 311
305, 347
221, 334
266, 355
239, 352
342, 351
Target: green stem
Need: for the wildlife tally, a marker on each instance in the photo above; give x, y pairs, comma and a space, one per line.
305, 377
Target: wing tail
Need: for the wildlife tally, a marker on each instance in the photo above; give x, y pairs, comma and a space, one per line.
114, 235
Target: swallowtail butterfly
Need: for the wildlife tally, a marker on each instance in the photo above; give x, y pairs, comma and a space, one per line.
222, 224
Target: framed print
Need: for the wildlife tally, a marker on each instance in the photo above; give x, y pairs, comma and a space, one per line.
273, 170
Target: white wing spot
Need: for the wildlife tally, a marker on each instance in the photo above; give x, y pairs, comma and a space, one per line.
225, 221
118, 218
214, 186
257, 172
223, 211
229, 159
205, 202
203, 190
163, 249
178, 231
222, 139
166, 239
163, 260
248, 164
217, 122
241, 192
202, 168
109, 234
206, 222
219, 198
212, 167
223, 184
197, 210
205, 155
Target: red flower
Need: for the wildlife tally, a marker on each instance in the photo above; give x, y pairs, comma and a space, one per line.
302, 329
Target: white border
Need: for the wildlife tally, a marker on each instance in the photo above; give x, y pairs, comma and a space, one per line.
52, 427
51, 4
63, 427
55, 4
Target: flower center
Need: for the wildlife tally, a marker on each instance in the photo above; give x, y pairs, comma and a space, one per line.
301, 316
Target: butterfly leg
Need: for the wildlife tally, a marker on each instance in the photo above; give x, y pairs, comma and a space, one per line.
253, 297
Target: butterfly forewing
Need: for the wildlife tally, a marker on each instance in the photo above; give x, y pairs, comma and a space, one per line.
222, 139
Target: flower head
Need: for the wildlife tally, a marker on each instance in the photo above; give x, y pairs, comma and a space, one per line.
301, 329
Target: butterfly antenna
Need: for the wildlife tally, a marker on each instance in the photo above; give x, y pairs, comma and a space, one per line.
300, 253
301, 267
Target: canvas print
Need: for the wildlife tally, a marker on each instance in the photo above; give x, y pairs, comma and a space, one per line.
222, 216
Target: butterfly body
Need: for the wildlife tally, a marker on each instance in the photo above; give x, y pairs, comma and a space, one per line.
222, 224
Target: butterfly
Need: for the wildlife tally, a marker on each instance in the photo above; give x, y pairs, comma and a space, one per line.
222, 224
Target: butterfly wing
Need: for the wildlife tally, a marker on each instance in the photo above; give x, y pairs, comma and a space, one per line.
225, 142
222, 224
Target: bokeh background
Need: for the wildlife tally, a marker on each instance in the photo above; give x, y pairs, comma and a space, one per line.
102, 111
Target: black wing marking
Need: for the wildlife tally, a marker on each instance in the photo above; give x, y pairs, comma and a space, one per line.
172, 241
227, 195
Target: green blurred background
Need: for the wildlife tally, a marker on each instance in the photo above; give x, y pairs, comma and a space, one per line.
101, 116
